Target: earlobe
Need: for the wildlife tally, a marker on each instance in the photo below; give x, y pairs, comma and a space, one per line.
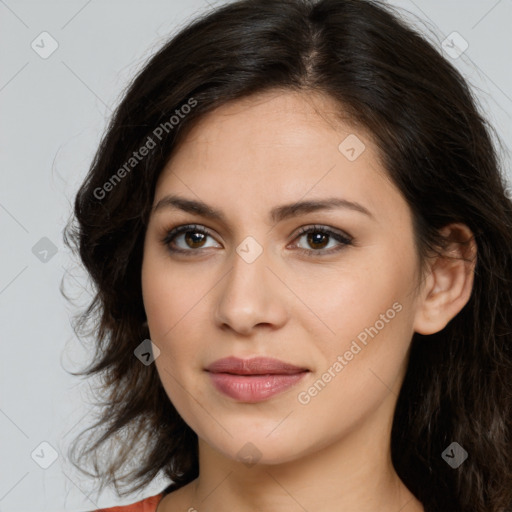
448, 285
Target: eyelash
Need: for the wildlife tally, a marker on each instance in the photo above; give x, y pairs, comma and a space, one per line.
344, 240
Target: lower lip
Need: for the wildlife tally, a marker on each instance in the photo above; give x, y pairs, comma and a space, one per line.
254, 388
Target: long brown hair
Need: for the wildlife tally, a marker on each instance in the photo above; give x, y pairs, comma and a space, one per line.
437, 149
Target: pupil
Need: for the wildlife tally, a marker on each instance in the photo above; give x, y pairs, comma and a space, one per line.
316, 238
194, 237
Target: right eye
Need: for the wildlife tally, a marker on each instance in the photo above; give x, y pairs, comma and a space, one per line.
192, 236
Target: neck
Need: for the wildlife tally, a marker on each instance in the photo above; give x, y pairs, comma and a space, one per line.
352, 473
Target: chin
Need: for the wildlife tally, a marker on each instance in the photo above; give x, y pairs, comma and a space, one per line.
255, 446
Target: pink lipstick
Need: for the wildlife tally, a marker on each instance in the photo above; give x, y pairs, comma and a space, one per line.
253, 380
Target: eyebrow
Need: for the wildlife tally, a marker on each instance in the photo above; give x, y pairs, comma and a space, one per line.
277, 213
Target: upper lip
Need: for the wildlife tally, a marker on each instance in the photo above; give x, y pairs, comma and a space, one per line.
253, 366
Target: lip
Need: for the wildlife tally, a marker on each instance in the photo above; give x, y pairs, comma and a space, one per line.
253, 380
253, 366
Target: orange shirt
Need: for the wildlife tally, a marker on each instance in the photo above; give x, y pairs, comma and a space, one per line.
146, 505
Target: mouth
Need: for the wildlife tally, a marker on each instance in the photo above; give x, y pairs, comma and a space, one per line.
253, 380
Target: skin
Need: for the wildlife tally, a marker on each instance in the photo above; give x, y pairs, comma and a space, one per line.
332, 453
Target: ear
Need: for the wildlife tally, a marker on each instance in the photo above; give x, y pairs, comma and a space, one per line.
449, 281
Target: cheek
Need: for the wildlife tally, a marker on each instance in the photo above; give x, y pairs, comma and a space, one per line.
171, 295
345, 300
361, 369
370, 316
175, 302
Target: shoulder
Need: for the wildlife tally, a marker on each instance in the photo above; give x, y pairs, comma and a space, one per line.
145, 505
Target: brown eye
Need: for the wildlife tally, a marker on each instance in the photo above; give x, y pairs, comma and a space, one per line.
194, 239
319, 237
317, 240
186, 238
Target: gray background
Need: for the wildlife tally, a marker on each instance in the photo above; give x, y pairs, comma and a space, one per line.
53, 113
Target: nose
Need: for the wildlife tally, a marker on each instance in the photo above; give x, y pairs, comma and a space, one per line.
250, 296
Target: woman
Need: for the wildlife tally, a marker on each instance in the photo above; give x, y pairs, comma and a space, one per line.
301, 243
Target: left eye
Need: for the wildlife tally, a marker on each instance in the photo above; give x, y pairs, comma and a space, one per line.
317, 237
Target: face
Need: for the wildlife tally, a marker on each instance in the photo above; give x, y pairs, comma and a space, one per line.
310, 260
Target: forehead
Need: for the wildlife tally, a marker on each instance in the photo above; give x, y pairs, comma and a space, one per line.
277, 147
287, 119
